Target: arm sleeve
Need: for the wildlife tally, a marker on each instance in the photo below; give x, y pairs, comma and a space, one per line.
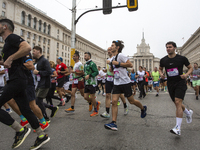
95, 71
161, 63
15, 40
64, 66
122, 58
47, 69
186, 62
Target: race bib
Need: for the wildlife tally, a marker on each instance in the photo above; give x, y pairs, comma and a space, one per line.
172, 72
140, 79
6, 74
156, 82
109, 78
38, 77
132, 81
116, 74
75, 81
195, 76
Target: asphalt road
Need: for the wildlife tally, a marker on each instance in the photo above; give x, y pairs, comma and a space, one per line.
79, 131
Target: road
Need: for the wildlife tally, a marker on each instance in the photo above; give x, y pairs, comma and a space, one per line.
79, 131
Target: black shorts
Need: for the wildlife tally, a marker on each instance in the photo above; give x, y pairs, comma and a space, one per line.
177, 89
90, 89
61, 82
109, 86
99, 82
124, 88
161, 80
133, 83
70, 87
146, 83
30, 92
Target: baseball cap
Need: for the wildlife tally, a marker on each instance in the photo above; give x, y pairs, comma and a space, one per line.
60, 58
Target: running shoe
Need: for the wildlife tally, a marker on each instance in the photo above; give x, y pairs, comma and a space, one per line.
24, 123
9, 110
111, 126
144, 95
197, 98
98, 105
118, 103
62, 103
189, 117
54, 111
94, 114
20, 137
157, 95
43, 127
126, 111
90, 107
104, 94
69, 110
39, 142
47, 120
176, 130
143, 112
105, 115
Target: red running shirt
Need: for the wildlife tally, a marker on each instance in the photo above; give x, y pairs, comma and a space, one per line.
60, 67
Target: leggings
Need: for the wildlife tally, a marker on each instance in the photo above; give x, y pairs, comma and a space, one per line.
141, 87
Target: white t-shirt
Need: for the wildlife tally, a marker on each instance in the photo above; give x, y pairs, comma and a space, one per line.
120, 74
99, 76
141, 75
2, 77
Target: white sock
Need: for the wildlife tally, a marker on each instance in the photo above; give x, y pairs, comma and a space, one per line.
186, 111
178, 122
157, 92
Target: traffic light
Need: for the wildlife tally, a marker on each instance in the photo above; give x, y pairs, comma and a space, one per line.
107, 4
132, 5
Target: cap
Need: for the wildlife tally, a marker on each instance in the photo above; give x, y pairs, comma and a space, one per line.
60, 58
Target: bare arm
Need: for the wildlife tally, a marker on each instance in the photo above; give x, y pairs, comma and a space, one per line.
161, 72
54, 74
2, 72
127, 64
29, 65
190, 69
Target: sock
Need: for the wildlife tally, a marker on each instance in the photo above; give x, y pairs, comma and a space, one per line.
165, 87
23, 118
113, 122
95, 109
178, 122
72, 107
186, 111
125, 105
90, 103
61, 99
17, 127
43, 121
157, 92
107, 110
40, 133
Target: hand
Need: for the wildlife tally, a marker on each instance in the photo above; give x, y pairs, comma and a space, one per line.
71, 79
8, 62
108, 61
183, 76
87, 77
72, 71
162, 76
58, 71
115, 63
82, 79
35, 72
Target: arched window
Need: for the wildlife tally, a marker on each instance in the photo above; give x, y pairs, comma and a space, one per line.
23, 17
29, 20
40, 25
49, 29
34, 23
44, 27
4, 5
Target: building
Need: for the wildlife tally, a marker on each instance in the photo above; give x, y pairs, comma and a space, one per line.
144, 58
191, 48
37, 28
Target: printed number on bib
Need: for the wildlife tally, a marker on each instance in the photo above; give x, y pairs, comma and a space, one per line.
6, 74
172, 72
109, 78
195, 76
140, 79
75, 81
38, 77
116, 74
132, 81
156, 82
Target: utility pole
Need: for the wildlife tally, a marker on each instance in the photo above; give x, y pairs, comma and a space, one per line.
73, 32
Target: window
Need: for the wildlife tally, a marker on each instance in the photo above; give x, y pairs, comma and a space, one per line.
65, 47
4, 5
49, 29
22, 33
39, 38
40, 25
68, 63
44, 40
57, 45
62, 54
3, 14
34, 23
65, 54
29, 20
58, 31
57, 36
33, 44
34, 36
47, 57
62, 46
43, 49
44, 27
48, 41
68, 49
28, 35
23, 17
57, 53
48, 50
68, 55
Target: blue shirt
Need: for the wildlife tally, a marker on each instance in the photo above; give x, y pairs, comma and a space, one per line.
133, 77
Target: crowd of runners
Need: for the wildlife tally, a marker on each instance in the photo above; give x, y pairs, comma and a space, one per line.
30, 78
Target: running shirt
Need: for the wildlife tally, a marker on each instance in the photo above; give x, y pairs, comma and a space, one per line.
141, 75
155, 76
120, 74
99, 76
60, 67
2, 76
71, 78
195, 73
29, 73
133, 79
109, 74
53, 79
77, 68
104, 77
174, 67
11, 46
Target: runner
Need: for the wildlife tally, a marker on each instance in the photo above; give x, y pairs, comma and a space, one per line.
15, 48
196, 80
104, 81
176, 83
122, 83
156, 80
150, 82
146, 80
99, 80
133, 81
91, 71
77, 83
141, 74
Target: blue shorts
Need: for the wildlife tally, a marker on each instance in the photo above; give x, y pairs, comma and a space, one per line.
156, 83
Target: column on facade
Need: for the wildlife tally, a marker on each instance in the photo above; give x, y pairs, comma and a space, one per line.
148, 64
145, 63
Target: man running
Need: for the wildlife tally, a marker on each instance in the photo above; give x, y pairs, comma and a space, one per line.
122, 83
196, 80
156, 80
99, 80
77, 83
176, 83
15, 48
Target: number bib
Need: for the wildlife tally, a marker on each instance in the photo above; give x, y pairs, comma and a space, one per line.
6, 74
140, 79
75, 81
156, 82
172, 72
38, 77
116, 74
132, 81
195, 76
110, 78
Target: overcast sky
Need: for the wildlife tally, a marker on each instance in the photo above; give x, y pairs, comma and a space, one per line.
161, 21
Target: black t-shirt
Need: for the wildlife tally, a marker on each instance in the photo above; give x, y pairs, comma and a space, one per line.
29, 72
11, 46
174, 67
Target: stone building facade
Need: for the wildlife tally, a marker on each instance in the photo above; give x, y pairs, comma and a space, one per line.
37, 28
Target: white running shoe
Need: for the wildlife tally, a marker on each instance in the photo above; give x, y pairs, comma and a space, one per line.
189, 117
126, 111
105, 115
176, 130
76, 95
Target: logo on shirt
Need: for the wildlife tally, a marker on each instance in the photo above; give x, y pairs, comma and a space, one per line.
171, 64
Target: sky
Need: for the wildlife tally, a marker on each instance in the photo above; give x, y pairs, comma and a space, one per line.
161, 21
